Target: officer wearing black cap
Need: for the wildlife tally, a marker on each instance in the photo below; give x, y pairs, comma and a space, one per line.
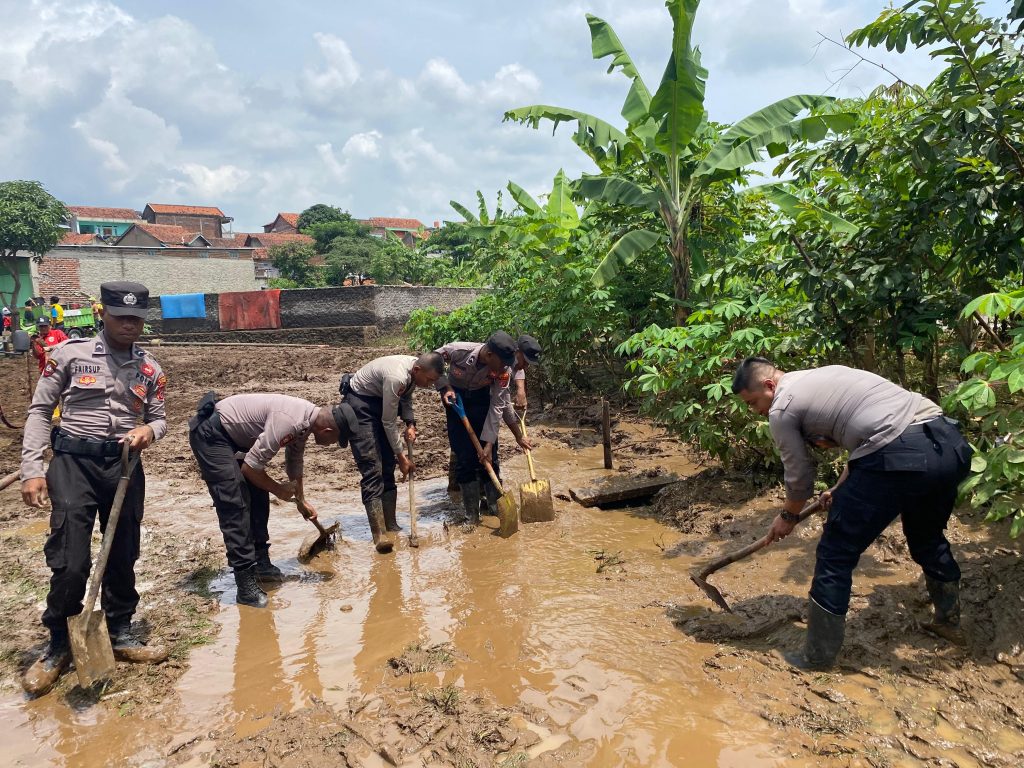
234, 440
481, 374
527, 353
110, 391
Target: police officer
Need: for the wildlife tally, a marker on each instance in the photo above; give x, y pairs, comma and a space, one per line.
906, 460
233, 440
110, 392
481, 374
379, 394
528, 353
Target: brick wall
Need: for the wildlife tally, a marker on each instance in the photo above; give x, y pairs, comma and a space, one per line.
163, 271
155, 318
320, 307
61, 277
394, 303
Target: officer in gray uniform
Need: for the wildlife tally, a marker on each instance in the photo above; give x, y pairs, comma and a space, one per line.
481, 375
110, 391
379, 393
233, 440
528, 352
906, 460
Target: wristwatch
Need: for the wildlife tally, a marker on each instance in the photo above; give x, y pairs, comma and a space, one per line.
789, 517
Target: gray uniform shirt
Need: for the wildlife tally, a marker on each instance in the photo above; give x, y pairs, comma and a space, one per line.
461, 357
858, 410
389, 378
263, 424
99, 396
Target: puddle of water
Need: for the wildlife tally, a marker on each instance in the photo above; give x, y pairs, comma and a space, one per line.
531, 620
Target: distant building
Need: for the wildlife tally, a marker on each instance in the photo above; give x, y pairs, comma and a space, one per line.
146, 235
105, 222
207, 221
410, 231
285, 222
261, 242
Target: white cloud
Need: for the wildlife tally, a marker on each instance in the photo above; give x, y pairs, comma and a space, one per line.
210, 183
363, 144
413, 152
440, 76
339, 73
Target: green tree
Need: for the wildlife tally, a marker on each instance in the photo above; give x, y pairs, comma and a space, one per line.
320, 214
349, 257
292, 260
30, 221
324, 233
679, 153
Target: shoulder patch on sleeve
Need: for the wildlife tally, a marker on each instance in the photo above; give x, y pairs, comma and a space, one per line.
781, 404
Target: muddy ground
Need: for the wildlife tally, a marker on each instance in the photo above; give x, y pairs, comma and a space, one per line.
578, 642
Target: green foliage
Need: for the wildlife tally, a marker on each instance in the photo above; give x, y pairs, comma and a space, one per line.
324, 233
320, 214
30, 221
349, 257
993, 405
293, 261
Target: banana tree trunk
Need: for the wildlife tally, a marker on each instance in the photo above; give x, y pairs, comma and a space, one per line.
679, 252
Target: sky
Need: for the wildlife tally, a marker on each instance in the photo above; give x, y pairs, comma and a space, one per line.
391, 108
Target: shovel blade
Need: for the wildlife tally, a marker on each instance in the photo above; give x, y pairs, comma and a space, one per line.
313, 544
508, 516
711, 591
90, 647
537, 506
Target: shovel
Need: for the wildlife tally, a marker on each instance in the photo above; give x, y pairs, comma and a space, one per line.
10, 479
314, 543
508, 517
535, 496
90, 641
700, 577
414, 539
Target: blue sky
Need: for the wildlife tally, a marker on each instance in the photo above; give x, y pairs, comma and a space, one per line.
385, 109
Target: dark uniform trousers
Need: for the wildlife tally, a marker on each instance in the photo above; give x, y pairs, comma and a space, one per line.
243, 510
915, 477
477, 403
80, 487
371, 448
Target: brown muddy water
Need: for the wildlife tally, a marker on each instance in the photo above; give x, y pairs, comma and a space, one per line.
531, 619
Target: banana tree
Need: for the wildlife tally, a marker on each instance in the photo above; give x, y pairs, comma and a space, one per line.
670, 144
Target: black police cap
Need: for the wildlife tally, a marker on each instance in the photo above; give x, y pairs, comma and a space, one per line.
504, 346
530, 348
122, 298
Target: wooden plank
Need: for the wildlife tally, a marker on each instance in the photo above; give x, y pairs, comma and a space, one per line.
613, 490
606, 429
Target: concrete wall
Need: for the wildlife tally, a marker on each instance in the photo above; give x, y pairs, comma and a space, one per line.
320, 307
162, 270
393, 304
155, 318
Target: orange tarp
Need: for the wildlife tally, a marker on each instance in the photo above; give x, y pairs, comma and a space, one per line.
250, 310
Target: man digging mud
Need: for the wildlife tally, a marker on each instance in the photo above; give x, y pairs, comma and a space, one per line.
480, 374
105, 386
906, 460
258, 426
379, 393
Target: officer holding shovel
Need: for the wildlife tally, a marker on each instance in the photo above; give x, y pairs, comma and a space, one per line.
906, 460
110, 391
480, 374
379, 394
233, 440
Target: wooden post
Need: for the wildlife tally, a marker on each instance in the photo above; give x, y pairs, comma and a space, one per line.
606, 427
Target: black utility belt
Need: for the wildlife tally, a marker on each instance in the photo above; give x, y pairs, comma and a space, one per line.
84, 446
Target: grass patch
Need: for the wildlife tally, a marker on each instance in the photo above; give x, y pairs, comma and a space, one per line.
196, 630
200, 579
606, 560
445, 700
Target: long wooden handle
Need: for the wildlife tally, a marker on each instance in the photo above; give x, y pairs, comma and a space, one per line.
750, 549
412, 494
10, 479
529, 454
479, 449
313, 520
127, 468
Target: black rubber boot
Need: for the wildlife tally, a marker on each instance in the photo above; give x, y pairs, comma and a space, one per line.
471, 502
127, 647
249, 592
266, 571
825, 633
389, 500
44, 673
945, 597
492, 496
375, 515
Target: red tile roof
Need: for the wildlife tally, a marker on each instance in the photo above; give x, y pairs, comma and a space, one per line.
292, 219
186, 210
235, 241
72, 238
410, 225
270, 239
90, 212
168, 234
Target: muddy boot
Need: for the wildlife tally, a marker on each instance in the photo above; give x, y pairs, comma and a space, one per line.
825, 632
375, 514
249, 592
129, 648
492, 496
389, 500
945, 597
454, 489
44, 673
266, 571
471, 502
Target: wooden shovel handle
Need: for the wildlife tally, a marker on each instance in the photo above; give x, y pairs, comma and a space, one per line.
529, 454
412, 494
750, 549
479, 449
313, 520
127, 468
10, 479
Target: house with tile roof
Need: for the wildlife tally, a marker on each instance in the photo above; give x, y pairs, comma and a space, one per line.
410, 232
262, 242
146, 235
284, 222
206, 220
105, 222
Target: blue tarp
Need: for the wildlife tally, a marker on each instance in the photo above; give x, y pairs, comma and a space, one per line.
183, 305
